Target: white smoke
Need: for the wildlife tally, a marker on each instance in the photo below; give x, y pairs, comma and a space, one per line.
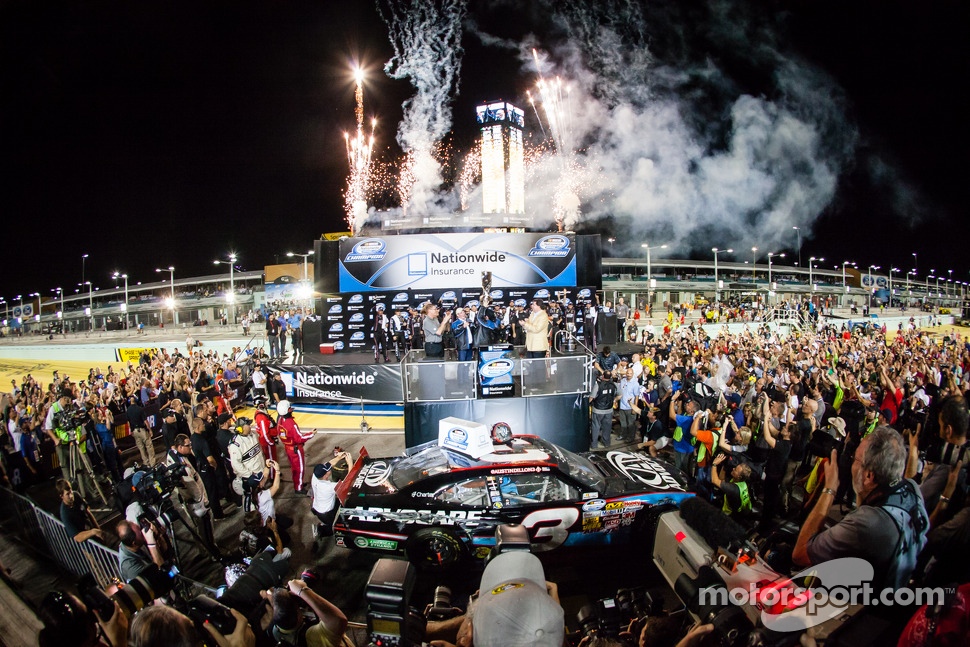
426, 37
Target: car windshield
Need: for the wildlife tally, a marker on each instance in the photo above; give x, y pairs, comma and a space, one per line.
575, 465
421, 464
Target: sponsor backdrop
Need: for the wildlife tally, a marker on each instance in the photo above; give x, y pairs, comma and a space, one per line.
432, 261
347, 319
342, 383
560, 419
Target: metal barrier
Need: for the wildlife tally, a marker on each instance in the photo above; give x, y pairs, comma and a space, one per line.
556, 375
45, 533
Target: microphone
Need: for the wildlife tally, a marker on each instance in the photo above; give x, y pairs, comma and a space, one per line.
714, 527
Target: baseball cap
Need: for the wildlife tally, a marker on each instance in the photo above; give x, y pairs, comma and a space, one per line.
223, 419
513, 608
168, 412
321, 469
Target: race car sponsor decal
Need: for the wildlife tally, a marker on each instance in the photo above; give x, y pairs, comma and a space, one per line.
549, 528
416, 517
592, 524
374, 474
520, 470
494, 493
590, 495
595, 504
638, 467
516, 457
378, 544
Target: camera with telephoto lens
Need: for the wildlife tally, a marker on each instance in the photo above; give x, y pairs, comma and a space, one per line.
153, 583
390, 618
629, 608
441, 607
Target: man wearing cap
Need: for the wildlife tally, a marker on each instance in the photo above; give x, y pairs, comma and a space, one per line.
516, 606
246, 459
324, 494
140, 431
603, 397
169, 427
293, 440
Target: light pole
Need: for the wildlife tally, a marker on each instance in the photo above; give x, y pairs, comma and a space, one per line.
870, 288
20, 307
950, 279
915, 265
610, 240
306, 279
717, 285
90, 301
845, 288
6, 310
891, 270
754, 275
798, 236
649, 275
171, 275
84, 258
231, 297
770, 254
124, 306
811, 282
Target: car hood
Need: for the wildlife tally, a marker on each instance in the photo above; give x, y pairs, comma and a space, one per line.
629, 472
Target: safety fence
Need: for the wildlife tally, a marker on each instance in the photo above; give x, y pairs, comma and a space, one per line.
44, 533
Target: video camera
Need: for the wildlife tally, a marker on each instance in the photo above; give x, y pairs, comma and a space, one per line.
158, 483
628, 610
71, 418
153, 583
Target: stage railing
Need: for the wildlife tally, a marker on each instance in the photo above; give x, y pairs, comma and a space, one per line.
556, 375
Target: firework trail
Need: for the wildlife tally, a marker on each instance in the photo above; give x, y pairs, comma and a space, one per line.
359, 150
426, 37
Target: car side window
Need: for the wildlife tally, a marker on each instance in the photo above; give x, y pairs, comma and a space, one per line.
470, 492
519, 489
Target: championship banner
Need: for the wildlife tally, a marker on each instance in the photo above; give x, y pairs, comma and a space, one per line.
437, 261
130, 354
343, 383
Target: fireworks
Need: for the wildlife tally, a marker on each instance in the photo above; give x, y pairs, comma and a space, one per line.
359, 149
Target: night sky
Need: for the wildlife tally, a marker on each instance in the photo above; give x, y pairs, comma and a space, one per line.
156, 134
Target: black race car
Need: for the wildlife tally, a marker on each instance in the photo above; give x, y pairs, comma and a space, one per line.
437, 506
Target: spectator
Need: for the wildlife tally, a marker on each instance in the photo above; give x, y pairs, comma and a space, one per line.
78, 520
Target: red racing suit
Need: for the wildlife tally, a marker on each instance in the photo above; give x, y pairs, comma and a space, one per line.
267, 432
293, 440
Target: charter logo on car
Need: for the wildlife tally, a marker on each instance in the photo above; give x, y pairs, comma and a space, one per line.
371, 249
337, 327
357, 298
336, 309
338, 345
400, 297
357, 317
583, 294
551, 246
496, 368
496, 294
357, 336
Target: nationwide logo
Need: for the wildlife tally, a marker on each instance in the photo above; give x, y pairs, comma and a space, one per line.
357, 317
496, 294
336, 309
337, 336
357, 336
496, 368
337, 327
401, 297
541, 294
551, 247
473, 303
337, 318
583, 294
357, 298
338, 345
519, 302
332, 299
371, 249
355, 326
448, 296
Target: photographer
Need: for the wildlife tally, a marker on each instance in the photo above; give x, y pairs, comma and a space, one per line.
191, 489
68, 621
60, 428
289, 627
140, 548
162, 626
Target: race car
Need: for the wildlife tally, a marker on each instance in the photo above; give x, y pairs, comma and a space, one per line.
438, 506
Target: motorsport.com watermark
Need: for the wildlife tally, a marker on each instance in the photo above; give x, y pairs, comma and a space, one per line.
819, 594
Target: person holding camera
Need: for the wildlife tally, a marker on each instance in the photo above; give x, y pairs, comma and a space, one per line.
58, 426
142, 545
163, 626
191, 489
289, 627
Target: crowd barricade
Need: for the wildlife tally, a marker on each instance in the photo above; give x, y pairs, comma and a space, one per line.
45, 533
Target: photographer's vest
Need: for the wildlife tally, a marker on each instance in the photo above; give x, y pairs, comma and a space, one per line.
905, 507
745, 500
702, 447
64, 435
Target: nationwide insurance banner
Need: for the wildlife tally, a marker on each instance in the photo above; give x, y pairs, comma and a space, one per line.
342, 383
441, 261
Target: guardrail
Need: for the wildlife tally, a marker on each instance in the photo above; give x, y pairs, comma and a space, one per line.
45, 533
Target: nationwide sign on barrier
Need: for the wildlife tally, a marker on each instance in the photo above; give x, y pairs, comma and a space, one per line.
440, 261
342, 383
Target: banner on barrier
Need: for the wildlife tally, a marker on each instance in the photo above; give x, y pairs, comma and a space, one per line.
435, 261
130, 354
342, 383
